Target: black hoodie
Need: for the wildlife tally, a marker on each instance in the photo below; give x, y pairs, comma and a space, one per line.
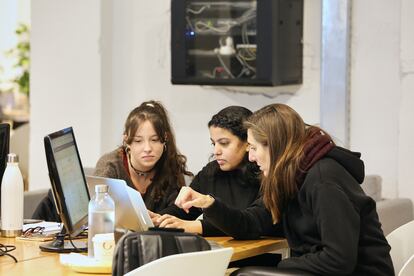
331, 226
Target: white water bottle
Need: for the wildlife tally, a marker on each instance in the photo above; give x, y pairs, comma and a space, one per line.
12, 198
101, 216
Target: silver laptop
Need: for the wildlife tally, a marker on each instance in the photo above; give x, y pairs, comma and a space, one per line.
130, 210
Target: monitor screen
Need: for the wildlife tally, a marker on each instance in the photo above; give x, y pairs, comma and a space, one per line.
68, 181
4, 150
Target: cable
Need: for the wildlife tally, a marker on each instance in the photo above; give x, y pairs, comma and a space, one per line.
245, 39
243, 71
5, 249
234, 4
244, 63
201, 27
81, 235
189, 23
222, 26
74, 246
197, 12
224, 66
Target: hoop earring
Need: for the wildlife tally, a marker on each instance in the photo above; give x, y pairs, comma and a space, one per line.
127, 149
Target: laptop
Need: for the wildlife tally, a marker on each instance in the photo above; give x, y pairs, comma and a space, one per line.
130, 210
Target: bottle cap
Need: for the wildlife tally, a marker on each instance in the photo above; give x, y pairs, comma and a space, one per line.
12, 158
101, 188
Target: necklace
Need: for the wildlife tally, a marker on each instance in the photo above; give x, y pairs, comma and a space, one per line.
138, 172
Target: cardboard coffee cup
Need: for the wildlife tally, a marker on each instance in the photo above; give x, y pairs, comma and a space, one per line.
104, 245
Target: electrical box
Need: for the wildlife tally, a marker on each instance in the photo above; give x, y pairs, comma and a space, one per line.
245, 42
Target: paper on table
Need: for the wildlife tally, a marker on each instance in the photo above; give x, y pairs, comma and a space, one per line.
49, 232
49, 226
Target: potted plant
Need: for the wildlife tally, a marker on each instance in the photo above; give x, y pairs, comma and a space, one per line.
15, 103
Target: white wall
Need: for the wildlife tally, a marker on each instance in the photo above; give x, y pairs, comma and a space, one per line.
8, 15
406, 113
136, 67
382, 58
376, 87
65, 79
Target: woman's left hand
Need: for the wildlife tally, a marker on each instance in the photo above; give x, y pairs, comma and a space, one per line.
188, 198
169, 221
154, 217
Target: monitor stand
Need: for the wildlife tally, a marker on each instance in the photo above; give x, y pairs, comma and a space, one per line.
59, 245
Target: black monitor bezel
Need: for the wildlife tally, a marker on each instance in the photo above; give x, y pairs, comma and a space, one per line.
4, 146
4, 150
72, 228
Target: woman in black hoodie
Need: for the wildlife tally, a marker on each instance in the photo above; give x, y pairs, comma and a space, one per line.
312, 190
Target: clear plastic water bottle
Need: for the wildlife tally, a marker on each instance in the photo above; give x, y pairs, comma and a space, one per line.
12, 198
101, 215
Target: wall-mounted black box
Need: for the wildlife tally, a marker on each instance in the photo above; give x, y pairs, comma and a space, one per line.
245, 42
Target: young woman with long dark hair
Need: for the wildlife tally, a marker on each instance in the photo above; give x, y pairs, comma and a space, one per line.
148, 159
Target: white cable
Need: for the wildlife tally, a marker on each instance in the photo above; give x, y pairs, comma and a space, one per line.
245, 39
226, 3
201, 26
224, 65
189, 23
197, 12
245, 64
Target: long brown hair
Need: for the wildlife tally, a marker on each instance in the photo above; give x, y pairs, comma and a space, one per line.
283, 131
171, 167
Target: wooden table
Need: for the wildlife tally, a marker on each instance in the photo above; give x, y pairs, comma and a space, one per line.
249, 248
32, 261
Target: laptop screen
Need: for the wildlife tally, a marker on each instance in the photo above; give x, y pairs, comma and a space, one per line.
130, 210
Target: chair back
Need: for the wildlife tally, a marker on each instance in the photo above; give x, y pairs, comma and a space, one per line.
202, 263
401, 241
408, 268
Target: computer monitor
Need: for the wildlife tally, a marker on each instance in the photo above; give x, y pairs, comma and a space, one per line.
4, 150
70, 190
